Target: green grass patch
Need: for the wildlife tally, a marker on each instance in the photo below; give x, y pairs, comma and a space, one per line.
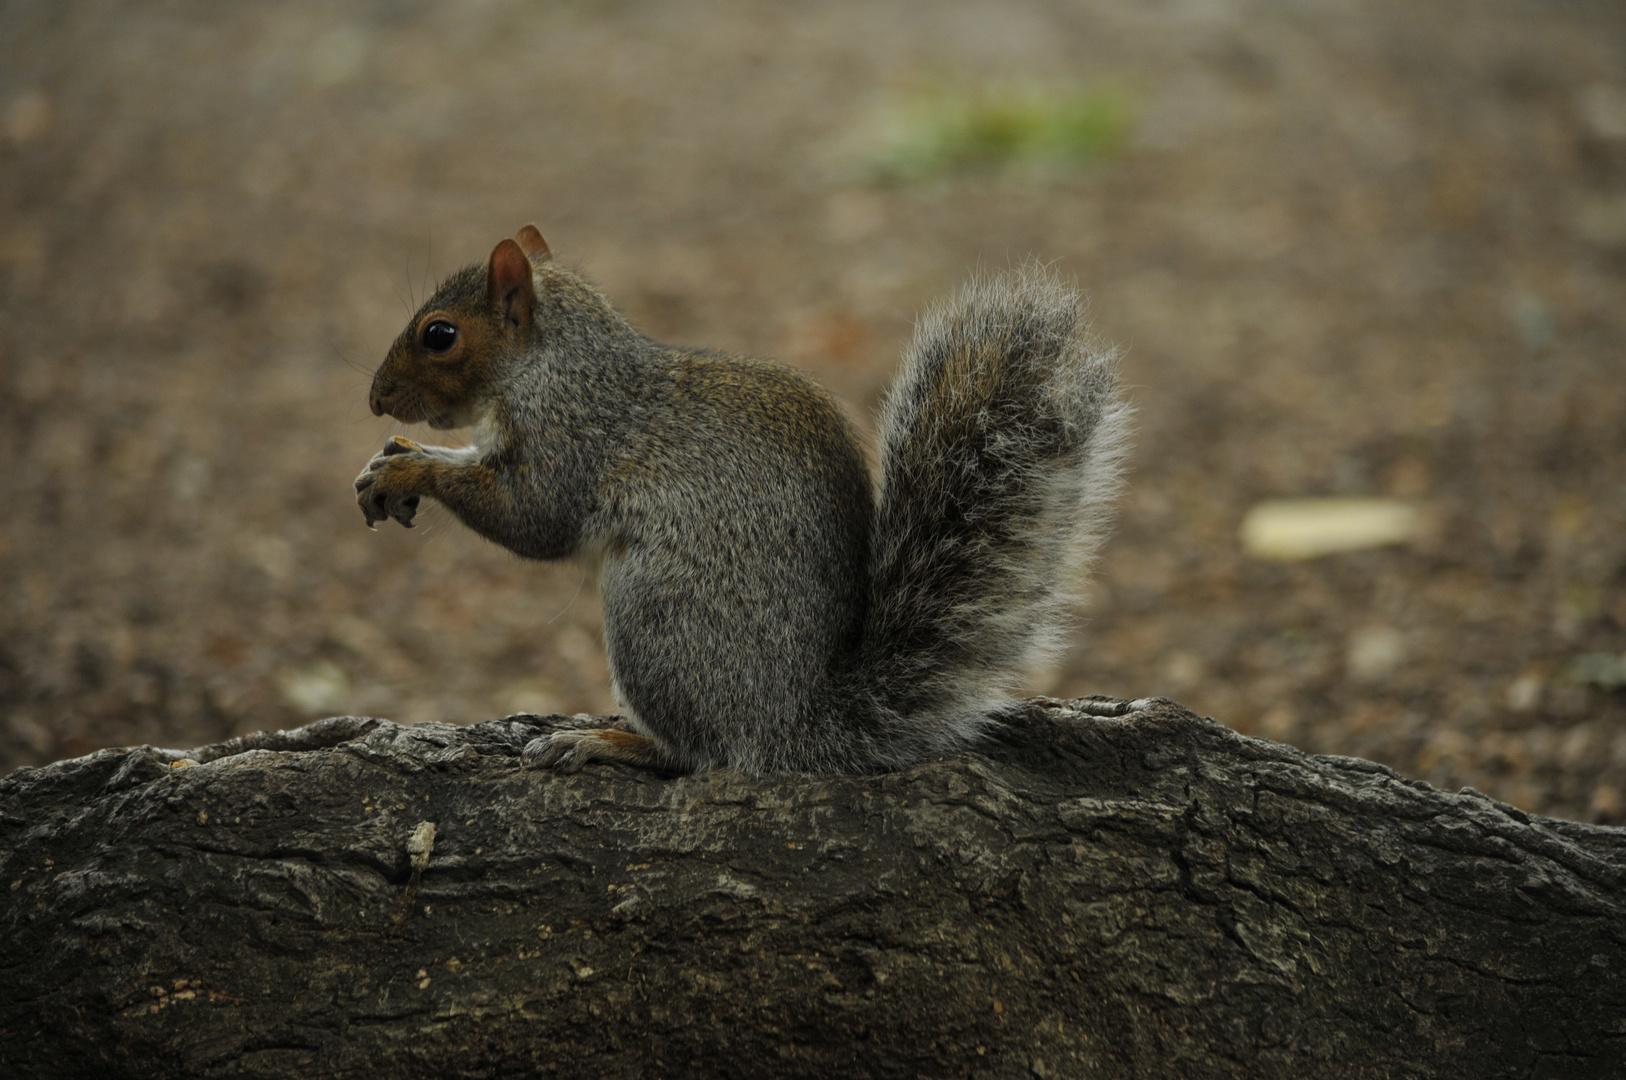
951, 131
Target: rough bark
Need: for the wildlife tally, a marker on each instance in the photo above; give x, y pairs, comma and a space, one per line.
1146, 895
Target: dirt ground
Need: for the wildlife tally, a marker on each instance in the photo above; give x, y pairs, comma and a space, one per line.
1362, 247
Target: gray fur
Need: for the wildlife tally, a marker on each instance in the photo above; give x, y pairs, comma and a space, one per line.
1002, 448
761, 610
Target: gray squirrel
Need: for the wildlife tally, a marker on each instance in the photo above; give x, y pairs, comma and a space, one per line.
764, 608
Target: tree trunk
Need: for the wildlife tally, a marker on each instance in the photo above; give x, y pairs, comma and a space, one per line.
1137, 895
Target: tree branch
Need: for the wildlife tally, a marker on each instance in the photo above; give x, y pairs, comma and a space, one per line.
1148, 894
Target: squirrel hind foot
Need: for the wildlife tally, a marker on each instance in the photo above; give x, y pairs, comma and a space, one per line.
567, 751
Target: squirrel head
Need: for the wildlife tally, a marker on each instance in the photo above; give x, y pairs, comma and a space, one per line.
444, 365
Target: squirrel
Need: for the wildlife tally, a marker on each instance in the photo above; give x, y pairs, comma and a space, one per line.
765, 608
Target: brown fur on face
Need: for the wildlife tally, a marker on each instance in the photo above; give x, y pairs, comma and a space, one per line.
491, 309
416, 385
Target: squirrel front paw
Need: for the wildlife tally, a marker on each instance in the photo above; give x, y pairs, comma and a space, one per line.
393, 482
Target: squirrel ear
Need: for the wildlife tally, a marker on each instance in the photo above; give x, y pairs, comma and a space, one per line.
508, 282
531, 242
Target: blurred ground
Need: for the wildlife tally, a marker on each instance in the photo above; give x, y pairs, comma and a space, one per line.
1352, 246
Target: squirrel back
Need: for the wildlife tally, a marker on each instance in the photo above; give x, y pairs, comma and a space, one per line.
763, 610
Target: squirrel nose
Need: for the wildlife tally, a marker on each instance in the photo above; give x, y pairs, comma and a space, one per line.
376, 402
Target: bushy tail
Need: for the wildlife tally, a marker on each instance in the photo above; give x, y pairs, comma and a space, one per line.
1002, 445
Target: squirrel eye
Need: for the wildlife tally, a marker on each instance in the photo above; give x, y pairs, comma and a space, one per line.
439, 336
